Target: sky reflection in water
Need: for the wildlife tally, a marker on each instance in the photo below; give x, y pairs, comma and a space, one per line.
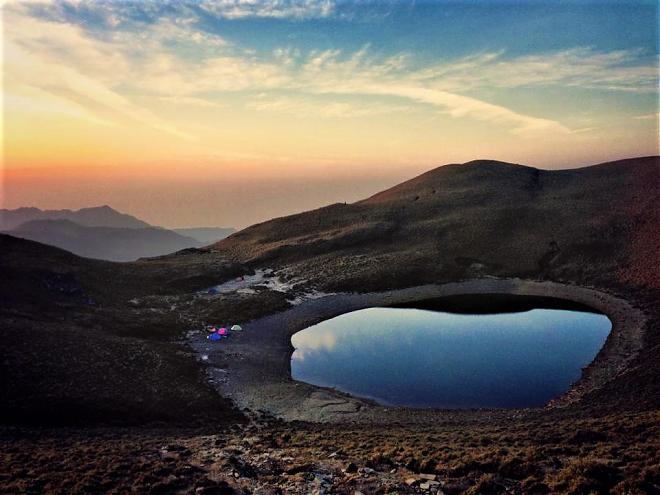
423, 358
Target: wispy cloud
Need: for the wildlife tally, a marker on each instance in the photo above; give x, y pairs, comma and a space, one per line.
309, 107
648, 116
134, 49
327, 72
34, 101
279, 9
619, 70
61, 60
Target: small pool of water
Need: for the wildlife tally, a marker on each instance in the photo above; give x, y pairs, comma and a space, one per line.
422, 358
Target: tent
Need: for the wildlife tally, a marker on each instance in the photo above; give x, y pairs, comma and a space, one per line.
223, 332
214, 336
236, 328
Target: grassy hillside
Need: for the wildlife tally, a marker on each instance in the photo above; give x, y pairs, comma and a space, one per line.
479, 218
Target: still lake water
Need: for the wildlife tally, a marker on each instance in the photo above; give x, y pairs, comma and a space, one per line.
421, 358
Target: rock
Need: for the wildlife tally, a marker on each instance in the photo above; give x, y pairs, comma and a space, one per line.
351, 468
269, 491
177, 448
411, 481
300, 468
429, 477
220, 488
366, 471
322, 480
175, 452
427, 485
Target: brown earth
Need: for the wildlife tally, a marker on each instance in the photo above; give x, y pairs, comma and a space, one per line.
97, 343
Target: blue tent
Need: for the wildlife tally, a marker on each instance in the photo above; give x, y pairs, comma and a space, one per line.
214, 336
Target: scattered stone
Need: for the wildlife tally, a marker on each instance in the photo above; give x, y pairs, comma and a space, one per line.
429, 477
427, 485
300, 468
221, 488
351, 467
411, 481
269, 491
366, 471
174, 451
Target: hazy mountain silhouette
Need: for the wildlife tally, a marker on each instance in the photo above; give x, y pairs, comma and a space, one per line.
104, 233
108, 243
97, 216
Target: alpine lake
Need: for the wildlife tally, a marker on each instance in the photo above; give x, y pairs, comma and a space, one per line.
461, 352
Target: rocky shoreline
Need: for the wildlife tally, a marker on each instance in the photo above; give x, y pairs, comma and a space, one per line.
253, 368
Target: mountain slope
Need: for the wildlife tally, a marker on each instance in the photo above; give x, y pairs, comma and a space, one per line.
473, 219
205, 235
98, 216
108, 243
85, 339
74, 349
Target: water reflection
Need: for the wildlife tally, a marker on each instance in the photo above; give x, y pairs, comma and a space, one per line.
423, 358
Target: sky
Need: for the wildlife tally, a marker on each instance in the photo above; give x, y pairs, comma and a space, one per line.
231, 112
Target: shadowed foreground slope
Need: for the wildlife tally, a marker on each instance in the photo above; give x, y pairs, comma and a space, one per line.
76, 351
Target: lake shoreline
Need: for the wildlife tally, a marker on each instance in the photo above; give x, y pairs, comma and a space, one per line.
253, 368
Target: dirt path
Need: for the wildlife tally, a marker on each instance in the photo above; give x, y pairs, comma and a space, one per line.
253, 367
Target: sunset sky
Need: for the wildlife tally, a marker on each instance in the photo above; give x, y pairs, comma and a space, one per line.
225, 113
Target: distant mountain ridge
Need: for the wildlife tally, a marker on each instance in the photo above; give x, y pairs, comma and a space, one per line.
103, 232
97, 216
107, 243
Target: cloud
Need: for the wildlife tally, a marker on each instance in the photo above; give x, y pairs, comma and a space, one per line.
115, 13
277, 9
306, 107
29, 100
191, 101
618, 70
465, 106
61, 60
327, 73
648, 116
140, 51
